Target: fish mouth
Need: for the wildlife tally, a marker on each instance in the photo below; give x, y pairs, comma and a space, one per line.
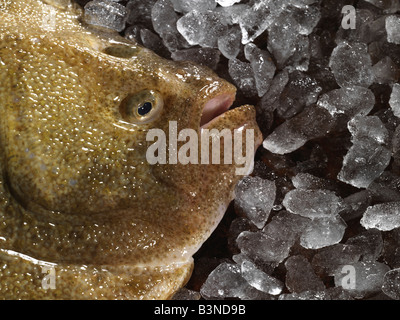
215, 107
218, 115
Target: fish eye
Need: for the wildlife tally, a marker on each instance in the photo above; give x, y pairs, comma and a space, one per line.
142, 107
145, 109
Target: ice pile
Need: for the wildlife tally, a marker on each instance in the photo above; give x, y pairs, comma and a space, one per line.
320, 217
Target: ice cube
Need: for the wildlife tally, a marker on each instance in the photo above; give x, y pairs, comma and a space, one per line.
368, 278
368, 128
395, 100
269, 101
311, 182
386, 71
323, 232
364, 162
391, 284
329, 259
164, 18
376, 30
351, 65
139, 12
383, 216
237, 226
186, 294
255, 20
393, 29
190, 5
346, 103
205, 56
313, 203
388, 6
381, 49
314, 122
226, 281
300, 60
327, 294
260, 280
356, 204
229, 43
369, 242
106, 13
285, 42
174, 42
233, 15
287, 226
300, 275
266, 267
368, 157
391, 248
153, 42
264, 248
202, 28
254, 199
262, 65
316, 162
307, 18
243, 77
386, 188
302, 3
300, 92
227, 3
306, 295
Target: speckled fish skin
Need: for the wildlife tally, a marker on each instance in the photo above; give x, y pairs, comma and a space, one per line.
76, 191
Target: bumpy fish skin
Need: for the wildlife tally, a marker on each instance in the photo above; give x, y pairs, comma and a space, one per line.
77, 194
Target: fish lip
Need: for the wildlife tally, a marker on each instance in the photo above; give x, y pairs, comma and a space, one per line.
243, 117
216, 107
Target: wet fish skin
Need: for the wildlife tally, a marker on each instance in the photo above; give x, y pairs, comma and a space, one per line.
76, 191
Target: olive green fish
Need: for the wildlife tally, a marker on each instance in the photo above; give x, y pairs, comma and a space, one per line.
83, 214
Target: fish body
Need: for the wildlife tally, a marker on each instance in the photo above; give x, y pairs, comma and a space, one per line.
83, 214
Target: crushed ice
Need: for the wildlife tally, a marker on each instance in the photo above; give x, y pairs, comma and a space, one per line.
323, 203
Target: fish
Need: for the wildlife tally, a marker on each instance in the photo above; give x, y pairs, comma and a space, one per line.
83, 214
